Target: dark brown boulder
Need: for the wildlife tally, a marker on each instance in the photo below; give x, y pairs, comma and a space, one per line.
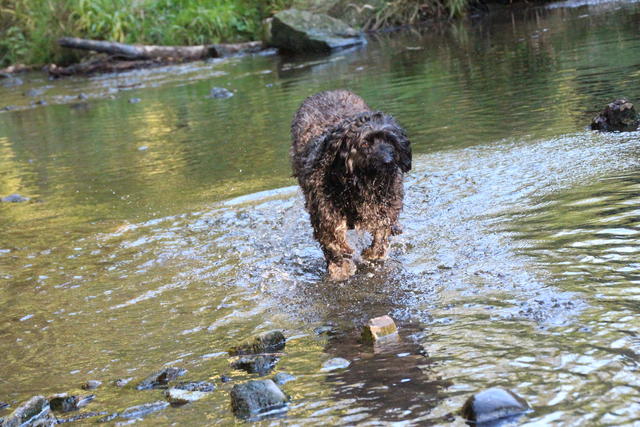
618, 116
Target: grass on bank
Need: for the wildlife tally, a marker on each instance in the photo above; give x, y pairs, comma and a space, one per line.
29, 28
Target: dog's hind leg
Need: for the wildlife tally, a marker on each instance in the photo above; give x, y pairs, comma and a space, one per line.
380, 246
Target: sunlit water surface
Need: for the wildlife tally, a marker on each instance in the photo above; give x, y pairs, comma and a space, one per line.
162, 232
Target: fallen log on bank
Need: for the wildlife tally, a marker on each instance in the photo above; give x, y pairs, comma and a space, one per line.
144, 52
122, 57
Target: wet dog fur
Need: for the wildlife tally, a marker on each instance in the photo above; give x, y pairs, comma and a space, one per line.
349, 162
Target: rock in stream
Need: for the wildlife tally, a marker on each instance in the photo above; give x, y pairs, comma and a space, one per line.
618, 116
493, 404
269, 342
35, 411
255, 397
161, 378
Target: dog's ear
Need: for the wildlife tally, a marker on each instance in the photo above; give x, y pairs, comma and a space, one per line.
403, 145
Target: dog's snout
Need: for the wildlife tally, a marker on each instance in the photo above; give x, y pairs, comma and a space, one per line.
385, 153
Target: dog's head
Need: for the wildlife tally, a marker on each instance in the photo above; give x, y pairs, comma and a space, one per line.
374, 142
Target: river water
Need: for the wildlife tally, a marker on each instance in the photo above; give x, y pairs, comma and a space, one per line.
164, 231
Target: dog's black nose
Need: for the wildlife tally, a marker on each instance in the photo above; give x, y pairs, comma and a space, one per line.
385, 153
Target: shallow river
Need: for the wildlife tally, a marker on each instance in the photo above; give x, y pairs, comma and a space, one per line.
164, 231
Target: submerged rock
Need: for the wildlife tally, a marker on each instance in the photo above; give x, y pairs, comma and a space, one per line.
66, 403
255, 397
180, 397
12, 82
14, 198
34, 92
334, 364
196, 386
161, 378
79, 417
91, 385
618, 116
301, 31
282, 378
493, 404
35, 410
144, 409
379, 328
269, 342
134, 100
220, 93
259, 364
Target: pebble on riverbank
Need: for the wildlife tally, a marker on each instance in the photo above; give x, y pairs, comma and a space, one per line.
493, 404
161, 378
268, 342
255, 397
379, 328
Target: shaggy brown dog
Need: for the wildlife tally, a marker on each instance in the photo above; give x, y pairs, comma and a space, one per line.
350, 162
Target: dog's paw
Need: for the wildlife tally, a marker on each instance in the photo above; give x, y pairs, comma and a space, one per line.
339, 271
374, 254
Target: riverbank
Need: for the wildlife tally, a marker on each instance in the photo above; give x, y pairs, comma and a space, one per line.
29, 29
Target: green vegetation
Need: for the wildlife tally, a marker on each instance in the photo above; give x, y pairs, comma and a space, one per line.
29, 28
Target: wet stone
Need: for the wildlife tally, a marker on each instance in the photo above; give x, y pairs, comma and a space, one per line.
220, 93
493, 404
34, 410
121, 382
161, 378
180, 397
379, 328
64, 403
14, 198
91, 385
269, 342
260, 364
302, 31
255, 397
225, 378
4, 405
144, 409
196, 386
334, 364
618, 116
83, 96
282, 378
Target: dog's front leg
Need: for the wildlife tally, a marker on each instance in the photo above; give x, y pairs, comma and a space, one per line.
380, 246
333, 239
